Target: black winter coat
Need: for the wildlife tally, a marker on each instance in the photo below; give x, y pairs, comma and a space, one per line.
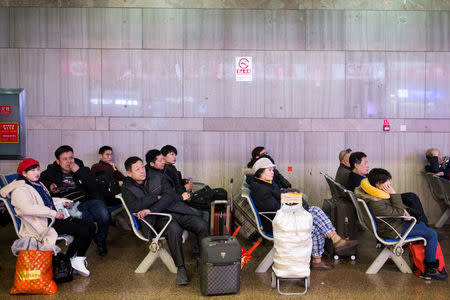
174, 178
267, 197
84, 181
435, 167
156, 183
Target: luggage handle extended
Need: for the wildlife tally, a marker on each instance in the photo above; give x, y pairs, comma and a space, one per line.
229, 205
213, 208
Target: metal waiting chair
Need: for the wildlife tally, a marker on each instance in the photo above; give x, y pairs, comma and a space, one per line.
267, 262
2, 181
440, 189
156, 248
393, 248
17, 222
10, 178
337, 190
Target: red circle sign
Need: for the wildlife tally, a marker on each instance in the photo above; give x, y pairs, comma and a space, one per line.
243, 63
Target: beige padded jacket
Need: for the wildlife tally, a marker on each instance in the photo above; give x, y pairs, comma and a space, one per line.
29, 205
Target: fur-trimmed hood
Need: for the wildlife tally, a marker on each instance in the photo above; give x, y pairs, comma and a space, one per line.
7, 190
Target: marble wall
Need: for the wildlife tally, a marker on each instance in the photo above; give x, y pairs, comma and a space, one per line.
137, 76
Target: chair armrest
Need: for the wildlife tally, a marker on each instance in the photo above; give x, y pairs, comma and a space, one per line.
41, 236
405, 235
158, 235
264, 213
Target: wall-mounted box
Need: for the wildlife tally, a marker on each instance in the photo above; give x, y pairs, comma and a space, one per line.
12, 124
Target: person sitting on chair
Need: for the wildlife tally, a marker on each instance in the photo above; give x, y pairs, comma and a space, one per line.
266, 195
145, 193
278, 178
33, 203
437, 164
380, 196
344, 167
360, 168
68, 178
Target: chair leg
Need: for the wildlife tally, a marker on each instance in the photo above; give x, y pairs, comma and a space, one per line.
146, 262
443, 219
267, 262
401, 263
379, 261
383, 257
167, 260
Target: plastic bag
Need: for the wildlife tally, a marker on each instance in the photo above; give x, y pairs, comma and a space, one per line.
292, 228
32, 244
73, 210
34, 274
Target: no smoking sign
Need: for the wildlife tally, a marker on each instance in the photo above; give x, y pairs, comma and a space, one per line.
244, 68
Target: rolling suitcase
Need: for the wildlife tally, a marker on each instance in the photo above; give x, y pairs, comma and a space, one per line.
342, 215
221, 222
220, 265
344, 219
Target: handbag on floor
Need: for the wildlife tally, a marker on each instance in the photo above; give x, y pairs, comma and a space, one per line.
417, 255
34, 273
62, 269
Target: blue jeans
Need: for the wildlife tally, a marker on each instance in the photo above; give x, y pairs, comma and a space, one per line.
420, 229
96, 211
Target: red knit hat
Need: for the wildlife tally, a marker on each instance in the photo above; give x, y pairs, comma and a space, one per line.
25, 164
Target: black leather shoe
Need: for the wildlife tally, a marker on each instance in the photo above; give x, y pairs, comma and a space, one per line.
182, 278
101, 248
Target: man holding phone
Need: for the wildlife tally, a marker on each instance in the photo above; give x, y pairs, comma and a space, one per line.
68, 178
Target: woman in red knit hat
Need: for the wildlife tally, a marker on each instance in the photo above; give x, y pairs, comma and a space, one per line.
34, 205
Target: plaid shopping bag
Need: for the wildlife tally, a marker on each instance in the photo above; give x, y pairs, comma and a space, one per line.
34, 274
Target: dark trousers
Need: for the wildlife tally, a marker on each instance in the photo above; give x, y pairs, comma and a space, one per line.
96, 211
82, 232
174, 231
415, 209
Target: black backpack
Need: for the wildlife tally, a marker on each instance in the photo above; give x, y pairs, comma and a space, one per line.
202, 198
107, 185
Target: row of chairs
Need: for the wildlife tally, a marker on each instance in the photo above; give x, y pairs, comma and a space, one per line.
440, 190
393, 248
156, 249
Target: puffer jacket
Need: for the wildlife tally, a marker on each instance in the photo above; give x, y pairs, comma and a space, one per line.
29, 205
384, 207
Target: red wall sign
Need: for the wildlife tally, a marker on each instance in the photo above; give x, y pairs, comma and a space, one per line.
9, 133
5, 109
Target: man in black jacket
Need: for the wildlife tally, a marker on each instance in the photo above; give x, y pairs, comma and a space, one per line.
146, 192
360, 169
174, 177
68, 178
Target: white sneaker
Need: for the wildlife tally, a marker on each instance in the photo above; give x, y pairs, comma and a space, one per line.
79, 265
